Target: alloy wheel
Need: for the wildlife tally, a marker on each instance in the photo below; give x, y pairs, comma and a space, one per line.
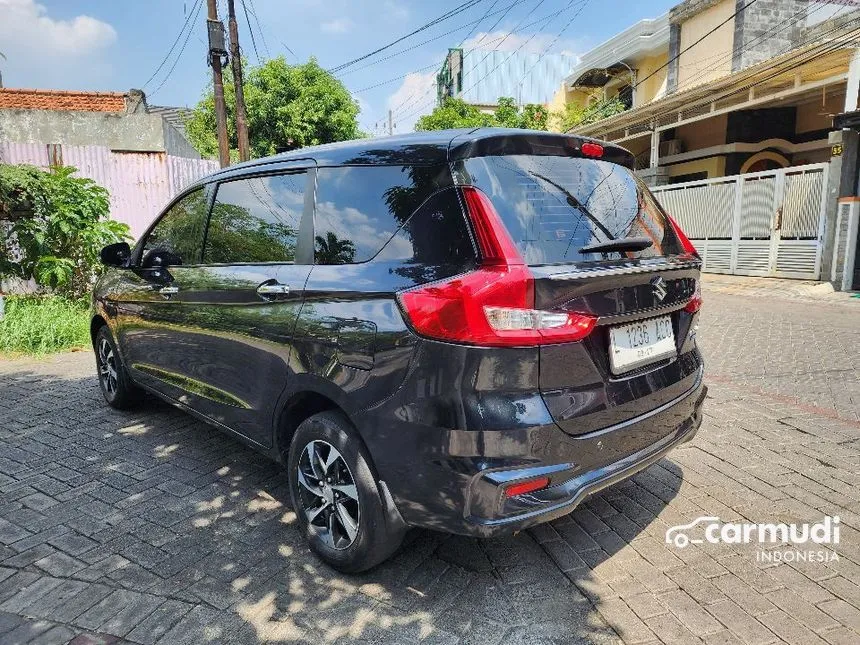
328, 494
107, 367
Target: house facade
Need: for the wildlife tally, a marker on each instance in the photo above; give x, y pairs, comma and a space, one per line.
140, 155
116, 120
730, 114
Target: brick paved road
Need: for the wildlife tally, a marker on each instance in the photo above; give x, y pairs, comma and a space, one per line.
151, 527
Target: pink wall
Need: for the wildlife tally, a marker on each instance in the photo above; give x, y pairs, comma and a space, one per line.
140, 183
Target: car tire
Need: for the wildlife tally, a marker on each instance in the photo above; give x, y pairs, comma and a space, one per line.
336, 496
116, 385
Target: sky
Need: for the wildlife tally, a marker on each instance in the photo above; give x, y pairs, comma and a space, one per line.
114, 45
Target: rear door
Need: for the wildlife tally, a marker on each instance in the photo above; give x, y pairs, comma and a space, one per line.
244, 299
642, 353
377, 230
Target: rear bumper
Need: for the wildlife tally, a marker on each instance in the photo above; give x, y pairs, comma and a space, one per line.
454, 480
569, 486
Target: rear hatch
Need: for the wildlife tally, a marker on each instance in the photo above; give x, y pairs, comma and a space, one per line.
596, 242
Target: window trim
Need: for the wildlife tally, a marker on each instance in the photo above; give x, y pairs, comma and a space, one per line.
206, 188
300, 167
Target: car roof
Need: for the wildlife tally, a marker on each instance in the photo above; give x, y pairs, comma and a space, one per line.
433, 147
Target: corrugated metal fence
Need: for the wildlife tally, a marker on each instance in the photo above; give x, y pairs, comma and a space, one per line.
140, 183
767, 223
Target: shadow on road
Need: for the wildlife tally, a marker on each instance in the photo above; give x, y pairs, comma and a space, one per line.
171, 509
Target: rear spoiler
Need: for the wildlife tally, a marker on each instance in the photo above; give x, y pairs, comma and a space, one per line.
487, 142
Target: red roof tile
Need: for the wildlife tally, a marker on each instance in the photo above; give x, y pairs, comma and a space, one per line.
26, 99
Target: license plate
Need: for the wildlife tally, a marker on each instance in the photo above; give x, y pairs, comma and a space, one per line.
640, 343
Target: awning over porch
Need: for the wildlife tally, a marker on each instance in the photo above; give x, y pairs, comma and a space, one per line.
801, 71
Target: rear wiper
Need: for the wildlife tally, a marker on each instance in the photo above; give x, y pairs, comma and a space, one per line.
619, 246
573, 201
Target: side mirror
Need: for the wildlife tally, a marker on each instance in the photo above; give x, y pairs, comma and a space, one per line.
159, 259
116, 255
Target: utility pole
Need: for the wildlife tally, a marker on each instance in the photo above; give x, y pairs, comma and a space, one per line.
241, 119
216, 50
390, 125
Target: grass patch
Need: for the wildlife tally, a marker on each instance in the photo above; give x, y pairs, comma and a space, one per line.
37, 325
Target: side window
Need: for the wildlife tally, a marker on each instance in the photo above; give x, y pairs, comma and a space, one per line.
180, 230
360, 208
435, 242
256, 220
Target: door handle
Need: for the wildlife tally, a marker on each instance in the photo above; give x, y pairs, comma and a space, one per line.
270, 290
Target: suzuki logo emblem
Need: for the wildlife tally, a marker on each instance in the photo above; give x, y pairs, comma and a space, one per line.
658, 284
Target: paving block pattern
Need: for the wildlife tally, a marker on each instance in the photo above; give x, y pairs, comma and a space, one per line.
150, 527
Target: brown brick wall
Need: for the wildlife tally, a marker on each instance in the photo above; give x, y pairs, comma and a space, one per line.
25, 99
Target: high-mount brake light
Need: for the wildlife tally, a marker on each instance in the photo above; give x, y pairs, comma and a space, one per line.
590, 149
493, 305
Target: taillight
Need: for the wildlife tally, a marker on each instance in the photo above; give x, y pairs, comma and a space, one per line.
494, 305
686, 244
696, 301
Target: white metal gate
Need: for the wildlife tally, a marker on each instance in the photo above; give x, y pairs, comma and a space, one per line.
767, 223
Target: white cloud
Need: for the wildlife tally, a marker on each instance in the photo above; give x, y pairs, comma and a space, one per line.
42, 51
396, 10
337, 26
415, 96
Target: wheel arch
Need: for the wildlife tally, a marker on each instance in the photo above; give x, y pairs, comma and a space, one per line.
96, 323
296, 409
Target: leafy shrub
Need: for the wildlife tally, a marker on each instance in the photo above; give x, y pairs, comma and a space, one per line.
53, 226
575, 114
455, 113
44, 324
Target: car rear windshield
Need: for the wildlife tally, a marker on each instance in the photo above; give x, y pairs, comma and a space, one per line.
554, 206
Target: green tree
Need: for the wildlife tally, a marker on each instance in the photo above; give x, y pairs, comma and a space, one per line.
454, 113
575, 114
53, 226
288, 106
333, 250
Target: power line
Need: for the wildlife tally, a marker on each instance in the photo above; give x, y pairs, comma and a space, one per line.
414, 71
812, 54
517, 27
396, 78
554, 40
773, 31
259, 26
445, 16
504, 38
672, 59
568, 6
523, 44
689, 47
175, 42
181, 51
285, 46
424, 42
402, 105
251, 31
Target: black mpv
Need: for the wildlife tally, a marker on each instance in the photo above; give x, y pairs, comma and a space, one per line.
467, 330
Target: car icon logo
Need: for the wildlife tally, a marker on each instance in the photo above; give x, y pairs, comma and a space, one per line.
677, 535
658, 284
